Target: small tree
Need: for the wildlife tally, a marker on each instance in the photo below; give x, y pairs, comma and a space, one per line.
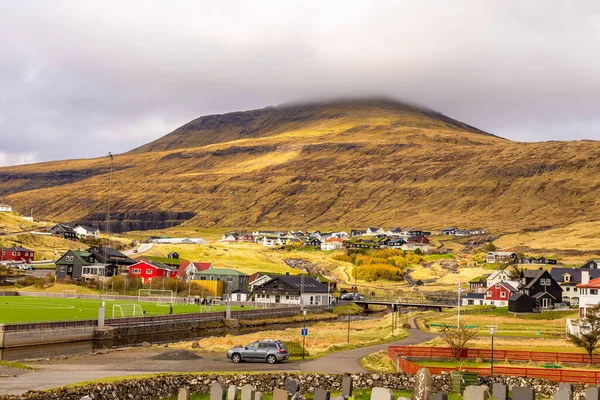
590, 340
457, 338
490, 247
514, 272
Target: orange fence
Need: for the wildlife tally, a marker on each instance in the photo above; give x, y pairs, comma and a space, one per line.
399, 353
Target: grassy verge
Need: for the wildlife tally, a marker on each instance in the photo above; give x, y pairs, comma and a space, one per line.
288, 320
323, 337
16, 365
377, 362
351, 308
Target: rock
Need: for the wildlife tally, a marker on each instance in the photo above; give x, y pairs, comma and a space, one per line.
195, 345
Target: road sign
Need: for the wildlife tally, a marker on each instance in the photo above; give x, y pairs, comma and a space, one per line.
304, 331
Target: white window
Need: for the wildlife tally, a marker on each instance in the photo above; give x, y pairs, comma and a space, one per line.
136, 270
593, 291
489, 294
502, 295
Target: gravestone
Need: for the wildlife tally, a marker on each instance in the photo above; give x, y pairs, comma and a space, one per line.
258, 396
475, 393
248, 392
379, 393
338, 398
280, 394
499, 391
184, 394
592, 393
86, 398
423, 385
291, 385
563, 394
232, 392
321, 394
523, 393
439, 396
566, 386
217, 391
347, 386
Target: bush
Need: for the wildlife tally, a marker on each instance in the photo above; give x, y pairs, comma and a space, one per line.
295, 349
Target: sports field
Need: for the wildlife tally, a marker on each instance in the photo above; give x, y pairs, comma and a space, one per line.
15, 309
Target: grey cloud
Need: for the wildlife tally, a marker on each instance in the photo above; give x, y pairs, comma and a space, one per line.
79, 79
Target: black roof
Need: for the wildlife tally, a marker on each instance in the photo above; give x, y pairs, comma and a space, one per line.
106, 254
475, 296
19, 248
516, 296
294, 282
559, 272
245, 291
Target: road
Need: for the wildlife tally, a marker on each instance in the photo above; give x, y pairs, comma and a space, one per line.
143, 361
144, 247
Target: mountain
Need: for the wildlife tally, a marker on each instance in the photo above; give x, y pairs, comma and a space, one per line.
350, 163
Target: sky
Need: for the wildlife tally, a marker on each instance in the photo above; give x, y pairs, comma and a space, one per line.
81, 78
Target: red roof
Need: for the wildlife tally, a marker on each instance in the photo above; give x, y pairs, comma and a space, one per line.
593, 283
200, 266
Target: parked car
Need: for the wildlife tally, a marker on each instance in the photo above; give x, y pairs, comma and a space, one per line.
352, 296
271, 351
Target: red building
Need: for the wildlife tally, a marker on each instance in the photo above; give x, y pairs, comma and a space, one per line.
188, 268
17, 254
498, 294
419, 240
149, 270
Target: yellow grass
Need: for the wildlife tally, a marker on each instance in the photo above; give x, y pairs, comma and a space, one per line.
578, 236
58, 288
377, 362
525, 344
323, 337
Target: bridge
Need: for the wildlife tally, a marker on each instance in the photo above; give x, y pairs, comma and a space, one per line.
394, 304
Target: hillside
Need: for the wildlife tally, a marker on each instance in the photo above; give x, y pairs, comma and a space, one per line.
343, 164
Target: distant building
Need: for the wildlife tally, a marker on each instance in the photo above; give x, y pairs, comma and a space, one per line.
187, 269
65, 231
83, 231
80, 265
501, 257
5, 208
149, 270
473, 299
232, 278
16, 254
292, 289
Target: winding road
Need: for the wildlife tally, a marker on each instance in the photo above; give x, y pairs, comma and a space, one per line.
144, 361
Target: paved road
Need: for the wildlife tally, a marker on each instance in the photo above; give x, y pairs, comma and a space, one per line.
144, 360
140, 249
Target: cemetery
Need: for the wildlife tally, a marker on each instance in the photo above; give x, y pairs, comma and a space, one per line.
287, 386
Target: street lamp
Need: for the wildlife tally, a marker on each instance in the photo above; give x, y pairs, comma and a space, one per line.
303, 335
492, 331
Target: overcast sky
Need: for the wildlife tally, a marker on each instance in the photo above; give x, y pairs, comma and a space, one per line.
81, 78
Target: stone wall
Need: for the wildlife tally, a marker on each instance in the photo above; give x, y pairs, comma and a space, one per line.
164, 386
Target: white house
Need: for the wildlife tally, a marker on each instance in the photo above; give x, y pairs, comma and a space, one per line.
505, 257
293, 289
332, 245
272, 241
374, 231
5, 208
473, 299
241, 295
83, 231
589, 293
498, 276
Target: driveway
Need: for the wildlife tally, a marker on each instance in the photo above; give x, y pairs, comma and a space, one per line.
147, 360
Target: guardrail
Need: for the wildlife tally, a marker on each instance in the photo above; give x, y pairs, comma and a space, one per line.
166, 319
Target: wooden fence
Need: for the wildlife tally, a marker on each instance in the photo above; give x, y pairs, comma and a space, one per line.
399, 354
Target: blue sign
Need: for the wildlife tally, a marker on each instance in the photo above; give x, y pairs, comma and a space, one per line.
304, 332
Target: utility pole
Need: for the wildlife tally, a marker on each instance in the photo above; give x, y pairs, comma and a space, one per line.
348, 326
458, 305
108, 211
232, 230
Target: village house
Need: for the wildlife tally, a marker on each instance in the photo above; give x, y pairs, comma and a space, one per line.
541, 287
358, 232
232, 279
79, 264
591, 264
111, 256
65, 231
293, 241
374, 231
568, 279
311, 242
409, 233
537, 260
394, 232
241, 295
258, 278
479, 284
473, 299
498, 294
396, 243
5, 208
292, 289
83, 231
589, 293
520, 303
501, 257
187, 269
501, 275
332, 244
16, 254
149, 270
272, 241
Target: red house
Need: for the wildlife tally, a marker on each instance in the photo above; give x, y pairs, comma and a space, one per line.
498, 294
17, 254
189, 268
418, 239
148, 270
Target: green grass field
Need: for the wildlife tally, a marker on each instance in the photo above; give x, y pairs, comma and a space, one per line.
25, 309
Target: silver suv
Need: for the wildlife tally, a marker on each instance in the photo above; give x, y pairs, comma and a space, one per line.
271, 351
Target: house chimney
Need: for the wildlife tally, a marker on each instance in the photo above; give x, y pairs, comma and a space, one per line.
585, 277
287, 273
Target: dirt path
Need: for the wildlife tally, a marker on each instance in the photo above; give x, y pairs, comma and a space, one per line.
141, 361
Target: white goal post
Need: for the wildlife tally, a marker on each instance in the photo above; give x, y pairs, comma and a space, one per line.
161, 297
69, 294
126, 310
109, 296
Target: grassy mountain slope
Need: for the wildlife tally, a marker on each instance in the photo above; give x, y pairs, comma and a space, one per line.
367, 163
